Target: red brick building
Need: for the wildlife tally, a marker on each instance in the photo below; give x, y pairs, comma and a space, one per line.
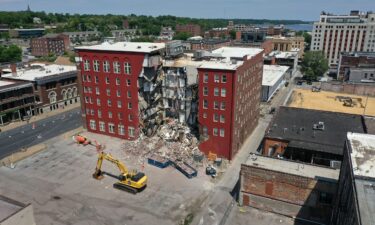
229, 97
193, 29
50, 43
117, 81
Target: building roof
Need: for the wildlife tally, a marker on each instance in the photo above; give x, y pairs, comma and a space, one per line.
143, 47
358, 54
283, 55
9, 207
38, 71
237, 52
273, 73
294, 168
362, 157
296, 126
370, 124
8, 85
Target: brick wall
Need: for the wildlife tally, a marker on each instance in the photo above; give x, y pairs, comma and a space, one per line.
358, 89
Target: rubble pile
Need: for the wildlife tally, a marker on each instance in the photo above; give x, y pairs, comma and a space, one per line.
172, 141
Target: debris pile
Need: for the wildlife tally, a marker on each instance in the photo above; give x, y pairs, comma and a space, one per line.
172, 141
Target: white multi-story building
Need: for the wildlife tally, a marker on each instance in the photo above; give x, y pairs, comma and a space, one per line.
334, 34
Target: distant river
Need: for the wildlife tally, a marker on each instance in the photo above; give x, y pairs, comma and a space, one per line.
300, 27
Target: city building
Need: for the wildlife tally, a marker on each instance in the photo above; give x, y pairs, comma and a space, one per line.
274, 77
26, 33
83, 36
124, 35
334, 34
54, 85
304, 193
289, 59
207, 44
266, 45
358, 67
192, 29
55, 44
287, 44
13, 212
229, 97
166, 34
123, 87
17, 100
254, 34
355, 204
173, 49
310, 136
219, 32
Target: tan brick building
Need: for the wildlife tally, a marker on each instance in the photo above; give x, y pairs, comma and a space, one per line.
287, 44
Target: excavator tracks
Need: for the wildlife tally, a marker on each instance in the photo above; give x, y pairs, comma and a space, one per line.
124, 187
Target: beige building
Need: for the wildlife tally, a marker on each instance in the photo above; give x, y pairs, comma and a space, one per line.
288, 44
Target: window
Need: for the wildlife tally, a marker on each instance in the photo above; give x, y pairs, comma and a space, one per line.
102, 126
205, 78
128, 82
216, 78
99, 113
98, 101
222, 132
86, 65
106, 67
205, 91
131, 131
107, 80
216, 91
111, 128
110, 114
216, 105
120, 116
109, 102
215, 117
119, 104
118, 93
96, 65
215, 131
96, 79
108, 92
86, 99
128, 68
116, 67
130, 105
88, 78
117, 81
92, 112
97, 91
223, 92
222, 119
92, 125
121, 130
205, 104
205, 131
224, 78
222, 105
129, 94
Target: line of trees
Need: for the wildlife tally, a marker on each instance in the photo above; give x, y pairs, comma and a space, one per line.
11, 53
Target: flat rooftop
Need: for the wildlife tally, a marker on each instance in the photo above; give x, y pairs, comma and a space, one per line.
292, 167
9, 207
237, 52
7, 85
37, 71
370, 124
283, 55
295, 125
362, 158
272, 73
142, 47
327, 101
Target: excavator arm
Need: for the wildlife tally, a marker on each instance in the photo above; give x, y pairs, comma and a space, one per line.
98, 174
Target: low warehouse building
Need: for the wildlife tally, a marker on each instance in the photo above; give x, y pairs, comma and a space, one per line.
273, 79
15, 213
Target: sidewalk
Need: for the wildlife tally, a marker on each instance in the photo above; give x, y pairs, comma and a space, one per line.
36, 118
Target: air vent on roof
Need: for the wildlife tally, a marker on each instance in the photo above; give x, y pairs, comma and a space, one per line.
319, 126
138, 47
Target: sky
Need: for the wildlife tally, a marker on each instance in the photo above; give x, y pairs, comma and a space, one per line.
308, 10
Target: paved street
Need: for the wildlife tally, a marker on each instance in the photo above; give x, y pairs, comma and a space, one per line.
25, 136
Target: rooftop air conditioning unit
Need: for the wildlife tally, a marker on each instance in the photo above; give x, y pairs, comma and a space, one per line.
319, 126
335, 164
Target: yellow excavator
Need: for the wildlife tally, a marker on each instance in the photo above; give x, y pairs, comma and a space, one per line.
132, 182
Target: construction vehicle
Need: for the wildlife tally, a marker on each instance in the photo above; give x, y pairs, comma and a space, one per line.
132, 182
82, 140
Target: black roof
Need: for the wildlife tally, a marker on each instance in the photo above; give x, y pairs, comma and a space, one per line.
296, 126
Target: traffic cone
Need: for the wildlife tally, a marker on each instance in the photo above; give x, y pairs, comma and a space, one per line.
33, 127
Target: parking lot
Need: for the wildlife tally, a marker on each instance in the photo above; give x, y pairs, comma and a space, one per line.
59, 184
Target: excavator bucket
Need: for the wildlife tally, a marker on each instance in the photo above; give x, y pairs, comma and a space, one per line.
98, 175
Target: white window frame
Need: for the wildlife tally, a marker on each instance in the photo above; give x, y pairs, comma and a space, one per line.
101, 126
117, 81
110, 115
98, 103
97, 90
216, 91
121, 129
216, 78
116, 67
106, 66
216, 105
92, 125
127, 68
223, 92
205, 104
109, 102
131, 131
130, 117
119, 104
129, 94
222, 105
224, 78
215, 131
111, 128
99, 113
108, 91
204, 131
222, 118
96, 65
222, 132
107, 80
128, 82
86, 65
118, 93
205, 78
205, 91
130, 105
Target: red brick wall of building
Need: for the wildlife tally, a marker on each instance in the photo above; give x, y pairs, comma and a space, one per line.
136, 60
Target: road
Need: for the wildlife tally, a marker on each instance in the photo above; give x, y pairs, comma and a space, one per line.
25, 136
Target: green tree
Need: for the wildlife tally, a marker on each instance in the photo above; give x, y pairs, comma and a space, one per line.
182, 36
314, 64
12, 53
307, 37
232, 34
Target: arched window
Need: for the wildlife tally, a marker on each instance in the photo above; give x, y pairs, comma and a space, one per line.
70, 95
64, 95
75, 92
127, 68
52, 97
